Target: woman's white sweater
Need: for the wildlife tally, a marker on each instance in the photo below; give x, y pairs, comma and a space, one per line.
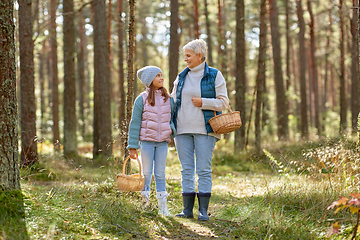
190, 119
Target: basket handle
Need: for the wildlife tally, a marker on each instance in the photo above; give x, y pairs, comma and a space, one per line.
140, 174
227, 104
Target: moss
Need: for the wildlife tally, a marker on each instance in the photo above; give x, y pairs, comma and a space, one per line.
12, 215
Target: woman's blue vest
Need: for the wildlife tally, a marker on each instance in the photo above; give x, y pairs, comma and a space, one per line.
207, 91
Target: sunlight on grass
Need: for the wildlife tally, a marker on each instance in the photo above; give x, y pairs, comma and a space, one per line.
199, 229
253, 197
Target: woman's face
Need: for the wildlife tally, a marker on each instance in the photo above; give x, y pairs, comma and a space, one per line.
158, 81
192, 59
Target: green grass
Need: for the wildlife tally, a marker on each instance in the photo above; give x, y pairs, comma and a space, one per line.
251, 199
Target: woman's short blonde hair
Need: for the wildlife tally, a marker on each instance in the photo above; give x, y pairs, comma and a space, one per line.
197, 46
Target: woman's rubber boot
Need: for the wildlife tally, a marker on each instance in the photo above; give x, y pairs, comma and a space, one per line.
162, 201
188, 203
203, 199
145, 198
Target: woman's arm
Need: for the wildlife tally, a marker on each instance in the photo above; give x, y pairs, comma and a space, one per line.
216, 104
173, 93
172, 125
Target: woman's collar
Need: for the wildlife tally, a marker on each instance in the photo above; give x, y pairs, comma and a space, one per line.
199, 67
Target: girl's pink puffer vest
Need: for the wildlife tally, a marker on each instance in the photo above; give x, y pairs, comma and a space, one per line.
155, 124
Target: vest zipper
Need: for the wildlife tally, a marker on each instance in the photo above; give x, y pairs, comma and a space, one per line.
159, 117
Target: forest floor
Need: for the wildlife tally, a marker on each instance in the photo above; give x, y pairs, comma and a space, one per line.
252, 198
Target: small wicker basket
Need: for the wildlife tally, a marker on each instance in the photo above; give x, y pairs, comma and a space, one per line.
134, 182
226, 122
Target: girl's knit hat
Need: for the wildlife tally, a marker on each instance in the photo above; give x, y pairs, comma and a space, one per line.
147, 74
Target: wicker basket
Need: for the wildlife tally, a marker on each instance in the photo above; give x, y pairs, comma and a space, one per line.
227, 122
134, 182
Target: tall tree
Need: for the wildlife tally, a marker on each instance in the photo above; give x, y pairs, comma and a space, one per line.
287, 20
12, 224
42, 56
27, 86
355, 66
54, 75
326, 77
260, 75
174, 43
302, 67
196, 19
70, 123
130, 66
281, 100
313, 69
9, 167
81, 71
122, 97
143, 44
240, 82
220, 37
208, 33
343, 124
102, 90
109, 20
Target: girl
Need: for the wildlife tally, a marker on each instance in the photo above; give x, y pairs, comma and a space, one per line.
150, 130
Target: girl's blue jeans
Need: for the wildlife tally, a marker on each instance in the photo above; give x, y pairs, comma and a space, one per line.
187, 146
153, 157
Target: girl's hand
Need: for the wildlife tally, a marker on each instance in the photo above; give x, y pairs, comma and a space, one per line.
196, 101
133, 153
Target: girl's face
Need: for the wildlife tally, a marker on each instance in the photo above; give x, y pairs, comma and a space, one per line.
192, 59
158, 81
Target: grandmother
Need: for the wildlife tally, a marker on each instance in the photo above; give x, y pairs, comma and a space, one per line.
196, 92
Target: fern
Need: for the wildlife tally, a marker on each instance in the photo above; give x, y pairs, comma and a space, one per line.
273, 160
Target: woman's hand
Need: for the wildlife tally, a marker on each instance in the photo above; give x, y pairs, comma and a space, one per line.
196, 101
133, 153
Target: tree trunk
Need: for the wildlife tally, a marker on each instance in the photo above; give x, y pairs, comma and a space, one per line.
260, 76
27, 86
9, 168
196, 19
130, 62
101, 66
130, 76
281, 100
109, 20
54, 76
144, 42
225, 63
240, 82
174, 43
42, 58
122, 97
70, 121
81, 73
326, 77
220, 36
288, 77
355, 67
343, 123
302, 67
313, 71
208, 33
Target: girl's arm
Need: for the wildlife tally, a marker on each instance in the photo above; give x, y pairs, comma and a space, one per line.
135, 124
